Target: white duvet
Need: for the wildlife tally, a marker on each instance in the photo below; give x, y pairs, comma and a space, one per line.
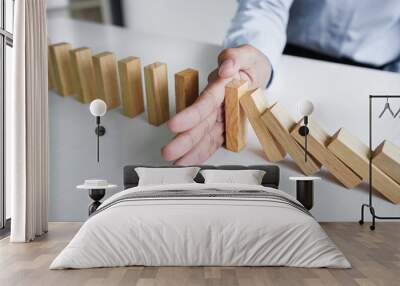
200, 231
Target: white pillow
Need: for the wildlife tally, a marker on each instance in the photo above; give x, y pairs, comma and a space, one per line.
163, 176
248, 177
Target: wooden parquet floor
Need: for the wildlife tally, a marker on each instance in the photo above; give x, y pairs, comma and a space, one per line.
375, 257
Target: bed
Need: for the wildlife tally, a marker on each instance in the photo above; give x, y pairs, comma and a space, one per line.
201, 224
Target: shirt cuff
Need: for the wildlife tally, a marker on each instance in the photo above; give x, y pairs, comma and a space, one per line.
270, 78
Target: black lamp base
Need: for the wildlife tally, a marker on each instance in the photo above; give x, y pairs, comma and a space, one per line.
303, 130
100, 130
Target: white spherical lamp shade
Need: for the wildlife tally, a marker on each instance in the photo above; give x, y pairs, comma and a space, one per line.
305, 107
98, 107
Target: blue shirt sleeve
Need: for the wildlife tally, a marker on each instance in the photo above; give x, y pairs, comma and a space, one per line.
261, 24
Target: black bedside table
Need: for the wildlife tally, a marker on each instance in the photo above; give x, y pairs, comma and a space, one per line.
305, 190
96, 193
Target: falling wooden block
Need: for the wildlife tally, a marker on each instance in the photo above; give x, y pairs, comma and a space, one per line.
355, 154
105, 71
51, 71
279, 123
387, 158
254, 104
316, 146
84, 78
235, 118
130, 74
186, 88
156, 81
61, 60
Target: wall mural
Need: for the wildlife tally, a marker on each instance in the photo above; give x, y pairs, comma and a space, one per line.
75, 72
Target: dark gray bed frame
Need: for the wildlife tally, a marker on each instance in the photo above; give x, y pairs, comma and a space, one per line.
270, 179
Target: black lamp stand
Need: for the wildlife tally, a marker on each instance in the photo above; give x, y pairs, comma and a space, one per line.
370, 203
100, 131
304, 131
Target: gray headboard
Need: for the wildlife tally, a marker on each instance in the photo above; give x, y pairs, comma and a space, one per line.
271, 177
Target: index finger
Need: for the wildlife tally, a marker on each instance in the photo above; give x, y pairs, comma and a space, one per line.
211, 97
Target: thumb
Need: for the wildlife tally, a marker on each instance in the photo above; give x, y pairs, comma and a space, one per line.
228, 68
233, 60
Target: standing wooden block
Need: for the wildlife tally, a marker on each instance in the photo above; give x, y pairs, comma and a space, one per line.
317, 140
83, 71
254, 104
156, 80
105, 71
235, 118
61, 60
387, 158
130, 74
355, 154
186, 88
51, 71
280, 123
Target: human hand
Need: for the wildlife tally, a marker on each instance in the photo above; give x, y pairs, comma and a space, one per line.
200, 127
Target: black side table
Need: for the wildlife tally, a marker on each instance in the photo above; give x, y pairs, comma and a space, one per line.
305, 190
96, 194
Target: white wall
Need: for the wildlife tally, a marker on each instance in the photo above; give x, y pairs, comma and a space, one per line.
58, 9
198, 20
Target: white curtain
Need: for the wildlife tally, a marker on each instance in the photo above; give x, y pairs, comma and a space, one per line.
27, 123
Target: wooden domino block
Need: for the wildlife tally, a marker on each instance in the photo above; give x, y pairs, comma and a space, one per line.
61, 60
280, 123
387, 158
130, 73
186, 88
316, 146
254, 104
355, 154
156, 82
51, 71
105, 71
84, 78
235, 118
